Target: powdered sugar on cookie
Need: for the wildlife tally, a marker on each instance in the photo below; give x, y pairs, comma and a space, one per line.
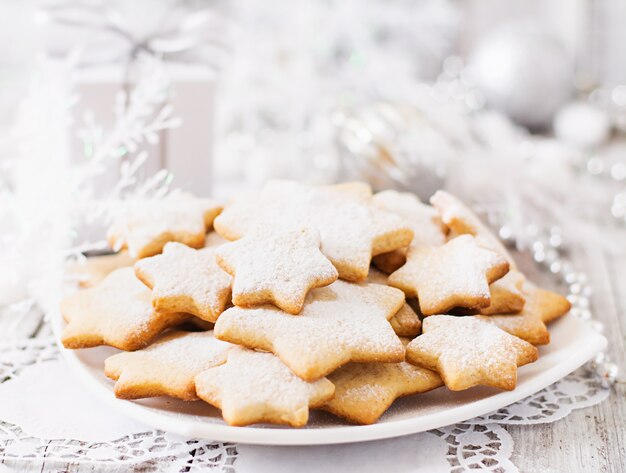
456, 274
186, 280
339, 323
351, 229
168, 367
467, 352
117, 312
254, 387
278, 268
144, 226
462, 220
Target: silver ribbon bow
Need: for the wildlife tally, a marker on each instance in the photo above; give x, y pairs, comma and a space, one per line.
108, 34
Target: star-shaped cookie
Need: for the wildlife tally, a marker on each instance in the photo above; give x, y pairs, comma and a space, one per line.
506, 295
526, 325
183, 279
339, 323
117, 312
462, 220
364, 391
278, 268
428, 229
456, 274
145, 226
351, 229
406, 323
467, 352
541, 307
253, 387
168, 367
547, 304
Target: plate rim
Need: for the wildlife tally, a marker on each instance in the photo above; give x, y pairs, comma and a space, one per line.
327, 436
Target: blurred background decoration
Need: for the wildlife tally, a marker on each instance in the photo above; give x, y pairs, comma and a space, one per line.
517, 106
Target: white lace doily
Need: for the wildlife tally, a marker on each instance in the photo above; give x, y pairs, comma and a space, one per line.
81, 429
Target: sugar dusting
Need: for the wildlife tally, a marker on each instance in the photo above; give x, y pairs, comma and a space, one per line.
286, 264
350, 228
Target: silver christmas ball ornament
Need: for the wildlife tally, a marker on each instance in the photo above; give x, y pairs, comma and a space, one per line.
523, 71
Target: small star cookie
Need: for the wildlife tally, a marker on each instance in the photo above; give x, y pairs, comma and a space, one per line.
253, 387
467, 352
406, 323
168, 367
506, 295
145, 226
428, 229
279, 268
351, 229
364, 391
549, 305
526, 325
456, 274
117, 312
339, 323
462, 220
94, 269
186, 280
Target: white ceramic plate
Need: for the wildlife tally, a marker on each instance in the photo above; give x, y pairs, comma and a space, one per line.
573, 343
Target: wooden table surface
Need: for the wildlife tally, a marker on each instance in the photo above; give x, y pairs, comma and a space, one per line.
587, 440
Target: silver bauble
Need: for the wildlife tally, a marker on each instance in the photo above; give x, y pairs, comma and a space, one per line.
523, 71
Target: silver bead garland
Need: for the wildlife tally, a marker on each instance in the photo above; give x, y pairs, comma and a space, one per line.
547, 249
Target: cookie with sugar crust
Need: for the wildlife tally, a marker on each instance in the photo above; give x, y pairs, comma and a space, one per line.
428, 229
167, 367
279, 268
467, 352
254, 387
183, 279
118, 312
406, 322
364, 391
462, 220
352, 230
339, 323
144, 226
456, 274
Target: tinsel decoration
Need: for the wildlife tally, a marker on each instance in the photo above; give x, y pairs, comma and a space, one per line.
49, 197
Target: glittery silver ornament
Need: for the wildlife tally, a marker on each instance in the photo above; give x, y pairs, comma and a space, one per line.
523, 71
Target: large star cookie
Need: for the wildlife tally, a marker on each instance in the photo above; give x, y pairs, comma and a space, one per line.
168, 367
145, 226
467, 352
456, 274
339, 323
186, 280
462, 220
254, 387
428, 229
277, 268
351, 229
364, 391
117, 312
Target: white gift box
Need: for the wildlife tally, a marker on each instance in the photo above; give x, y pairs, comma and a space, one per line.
186, 151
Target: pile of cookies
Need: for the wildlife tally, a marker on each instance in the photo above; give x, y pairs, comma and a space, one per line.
303, 297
